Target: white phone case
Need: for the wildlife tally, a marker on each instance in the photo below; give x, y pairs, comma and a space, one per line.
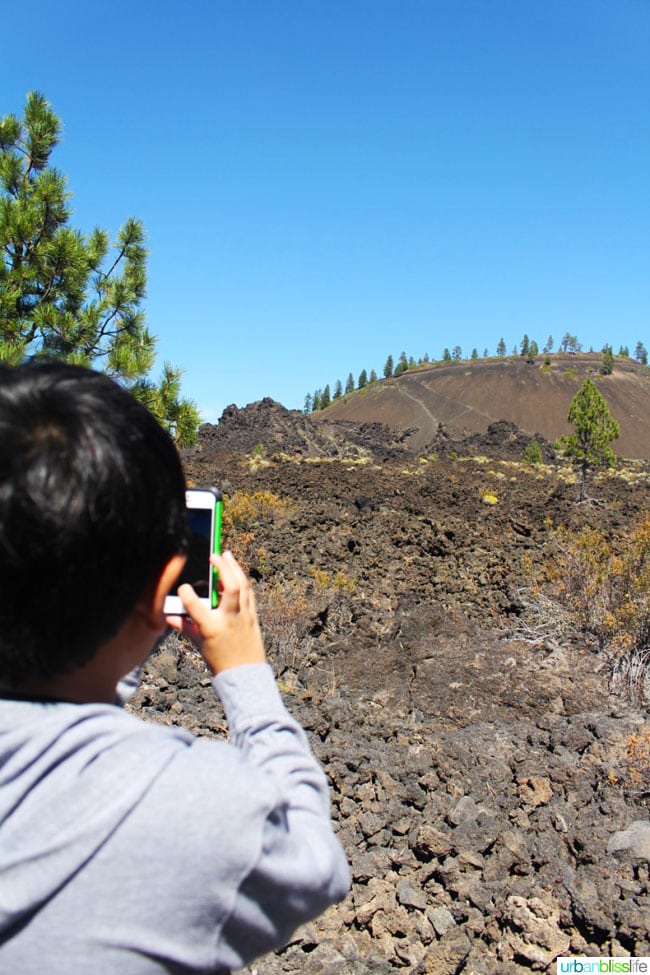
199, 499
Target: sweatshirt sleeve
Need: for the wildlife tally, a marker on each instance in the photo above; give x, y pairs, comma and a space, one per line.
301, 868
127, 686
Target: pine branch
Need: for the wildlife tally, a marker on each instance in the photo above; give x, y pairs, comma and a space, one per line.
115, 263
31, 248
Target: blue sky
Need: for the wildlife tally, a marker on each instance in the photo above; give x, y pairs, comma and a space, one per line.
325, 183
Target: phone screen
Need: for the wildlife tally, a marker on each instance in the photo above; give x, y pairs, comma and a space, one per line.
198, 553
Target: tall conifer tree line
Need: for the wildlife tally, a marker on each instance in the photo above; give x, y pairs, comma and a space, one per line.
528, 350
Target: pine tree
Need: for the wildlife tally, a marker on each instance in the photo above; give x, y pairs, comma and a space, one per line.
524, 346
595, 429
349, 385
501, 347
533, 452
363, 379
338, 389
570, 343
308, 404
326, 398
66, 295
388, 367
641, 353
607, 366
373, 376
533, 352
402, 365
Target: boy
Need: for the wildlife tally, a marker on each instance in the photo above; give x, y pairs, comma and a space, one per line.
127, 847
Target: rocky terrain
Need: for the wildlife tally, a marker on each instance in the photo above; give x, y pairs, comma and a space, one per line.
490, 786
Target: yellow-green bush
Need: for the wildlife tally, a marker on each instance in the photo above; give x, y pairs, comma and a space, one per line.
339, 582
245, 509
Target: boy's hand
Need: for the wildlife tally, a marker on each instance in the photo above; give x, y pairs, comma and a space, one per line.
229, 635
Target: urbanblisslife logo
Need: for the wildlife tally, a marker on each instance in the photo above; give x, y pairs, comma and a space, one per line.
585, 965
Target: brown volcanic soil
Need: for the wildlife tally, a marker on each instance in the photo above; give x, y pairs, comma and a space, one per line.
469, 396
482, 768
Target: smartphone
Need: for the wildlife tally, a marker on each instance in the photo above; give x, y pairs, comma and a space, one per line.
204, 518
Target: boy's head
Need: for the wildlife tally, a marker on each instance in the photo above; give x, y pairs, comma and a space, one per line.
92, 505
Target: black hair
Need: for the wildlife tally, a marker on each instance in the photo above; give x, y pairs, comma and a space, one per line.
92, 505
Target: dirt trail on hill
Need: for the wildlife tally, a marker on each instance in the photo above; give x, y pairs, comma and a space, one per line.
468, 396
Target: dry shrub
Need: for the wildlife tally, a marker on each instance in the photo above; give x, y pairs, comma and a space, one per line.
606, 586
246, 509
292, 614
631, 674
243, 513
638, 754
286, 616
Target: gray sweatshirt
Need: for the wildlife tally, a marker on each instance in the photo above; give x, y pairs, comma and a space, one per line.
134, 848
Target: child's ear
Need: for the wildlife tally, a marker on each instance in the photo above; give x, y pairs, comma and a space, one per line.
152, 603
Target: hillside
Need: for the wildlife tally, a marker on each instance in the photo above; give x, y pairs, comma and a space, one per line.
469, 396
